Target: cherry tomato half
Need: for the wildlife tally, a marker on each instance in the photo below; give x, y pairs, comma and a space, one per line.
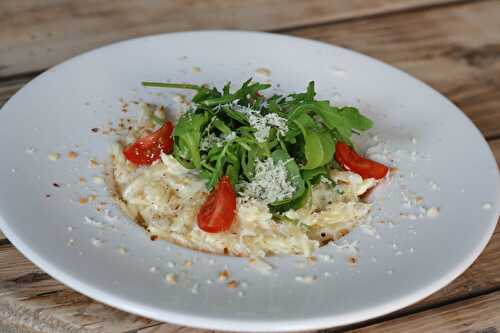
146, 150
351, 161
217, 213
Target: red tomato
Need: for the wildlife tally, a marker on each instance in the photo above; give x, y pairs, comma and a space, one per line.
351, 161
217, 213
148, 149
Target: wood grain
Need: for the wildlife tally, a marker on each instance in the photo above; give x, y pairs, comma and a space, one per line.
455, 49
460, 59
25, 291
480, 315
30, 298
9, 87
495, 148
35, 35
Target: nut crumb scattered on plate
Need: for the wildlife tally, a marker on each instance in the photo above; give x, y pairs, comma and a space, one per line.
72, 155
171, 278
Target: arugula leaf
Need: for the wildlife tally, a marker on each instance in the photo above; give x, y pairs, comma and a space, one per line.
355, 119
312, 174
187, 135
313, 128
319, 149
319, 145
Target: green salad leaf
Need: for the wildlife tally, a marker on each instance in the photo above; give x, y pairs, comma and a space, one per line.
231, 132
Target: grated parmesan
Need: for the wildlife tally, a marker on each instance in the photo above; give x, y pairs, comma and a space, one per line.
263, 123
270, 183
212, 140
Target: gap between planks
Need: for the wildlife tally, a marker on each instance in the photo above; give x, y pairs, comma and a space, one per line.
25, 289
495, 143
455, 49
479, 314
36, 35
460, 58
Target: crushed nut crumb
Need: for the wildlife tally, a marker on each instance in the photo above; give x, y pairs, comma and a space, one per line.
224, 275
171, 278
72, 155
312, 259
232, 284
93, 164
352, 260
343, 232
188, 264
264, 72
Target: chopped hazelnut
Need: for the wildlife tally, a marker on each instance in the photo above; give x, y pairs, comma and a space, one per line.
72, 155
352, 260
343, 232
93, 164
171, 278
224, 275
232, 284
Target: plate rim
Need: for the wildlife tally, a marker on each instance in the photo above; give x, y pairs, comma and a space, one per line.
245, 325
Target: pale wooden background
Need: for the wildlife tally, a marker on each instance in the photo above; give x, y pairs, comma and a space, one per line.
453, 45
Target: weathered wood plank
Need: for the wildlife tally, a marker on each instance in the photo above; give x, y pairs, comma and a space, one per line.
30, 298
26, 290
35, 35
482, 276
479, 314
455, 49
9, 87
460, 58
495, 147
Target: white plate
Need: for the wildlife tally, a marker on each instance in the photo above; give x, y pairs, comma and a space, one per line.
410, 260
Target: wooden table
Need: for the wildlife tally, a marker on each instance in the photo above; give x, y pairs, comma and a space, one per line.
453, 45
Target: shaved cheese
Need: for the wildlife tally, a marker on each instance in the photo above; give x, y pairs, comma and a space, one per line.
263, 123
270, 183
